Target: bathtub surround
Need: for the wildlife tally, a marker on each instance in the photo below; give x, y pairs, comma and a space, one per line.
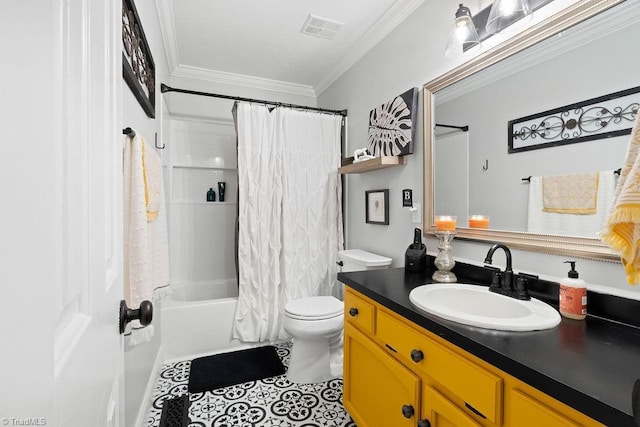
198, 319
146, 247
290, 219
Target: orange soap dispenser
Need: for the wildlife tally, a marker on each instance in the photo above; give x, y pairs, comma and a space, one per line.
573, 295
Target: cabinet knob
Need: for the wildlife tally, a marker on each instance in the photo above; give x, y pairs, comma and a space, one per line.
407, 411
353, 312
417, 355
424, 423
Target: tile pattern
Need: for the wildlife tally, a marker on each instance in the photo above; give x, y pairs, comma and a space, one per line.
271, 402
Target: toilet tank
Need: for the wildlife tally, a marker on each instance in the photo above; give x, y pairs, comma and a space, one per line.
358, 260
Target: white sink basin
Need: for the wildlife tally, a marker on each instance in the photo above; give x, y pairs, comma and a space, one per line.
476, 306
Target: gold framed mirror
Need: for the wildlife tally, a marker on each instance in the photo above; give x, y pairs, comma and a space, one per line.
574, 246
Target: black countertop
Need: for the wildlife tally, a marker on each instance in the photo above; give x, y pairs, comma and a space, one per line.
590, 365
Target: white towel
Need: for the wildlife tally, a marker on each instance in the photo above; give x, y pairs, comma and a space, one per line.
146, 249
569, 224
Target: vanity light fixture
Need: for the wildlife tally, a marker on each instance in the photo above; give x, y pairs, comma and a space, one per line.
470, 31
506, 12
463, 36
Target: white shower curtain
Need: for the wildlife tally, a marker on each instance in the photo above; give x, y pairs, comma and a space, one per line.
290, 215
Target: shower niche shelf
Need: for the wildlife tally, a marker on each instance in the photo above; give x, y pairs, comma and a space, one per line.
201, 166
382, 162
191, 202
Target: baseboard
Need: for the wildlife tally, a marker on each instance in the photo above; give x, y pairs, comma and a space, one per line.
148, 393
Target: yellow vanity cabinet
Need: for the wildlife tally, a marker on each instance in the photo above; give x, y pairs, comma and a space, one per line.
392, 364
478, 390
378, 390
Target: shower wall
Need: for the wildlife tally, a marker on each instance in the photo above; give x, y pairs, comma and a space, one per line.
201, 233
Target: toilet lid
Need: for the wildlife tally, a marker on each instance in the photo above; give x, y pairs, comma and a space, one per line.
314, 308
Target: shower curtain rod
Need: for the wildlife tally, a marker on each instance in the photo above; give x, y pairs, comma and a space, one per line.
164, 89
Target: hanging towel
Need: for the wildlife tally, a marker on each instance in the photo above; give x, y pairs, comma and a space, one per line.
622, 230
541, 222
146, 249
575, 193
152, 172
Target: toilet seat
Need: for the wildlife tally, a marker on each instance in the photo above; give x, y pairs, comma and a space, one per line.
314, 308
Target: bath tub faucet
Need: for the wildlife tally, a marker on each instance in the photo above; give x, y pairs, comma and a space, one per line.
502, 282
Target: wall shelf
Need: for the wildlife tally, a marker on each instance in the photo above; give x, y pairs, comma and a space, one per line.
373, 164
202, 166
187, 202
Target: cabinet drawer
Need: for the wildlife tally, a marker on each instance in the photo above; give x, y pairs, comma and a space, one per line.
477, 387
359, 312
525, 411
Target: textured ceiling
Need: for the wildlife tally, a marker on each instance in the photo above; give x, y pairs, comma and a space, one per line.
262, 39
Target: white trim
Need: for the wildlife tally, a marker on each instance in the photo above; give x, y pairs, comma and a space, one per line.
224, 77
614, 20
147, 400
168, 30
386, 23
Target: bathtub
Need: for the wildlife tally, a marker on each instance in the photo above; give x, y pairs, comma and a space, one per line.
197, 319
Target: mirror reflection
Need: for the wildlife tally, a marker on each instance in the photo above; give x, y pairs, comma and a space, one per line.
559, 189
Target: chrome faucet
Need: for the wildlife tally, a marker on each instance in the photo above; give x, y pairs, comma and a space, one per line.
502, 282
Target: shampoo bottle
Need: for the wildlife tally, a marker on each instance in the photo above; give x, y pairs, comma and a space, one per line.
211, 195
573, 295
221, 191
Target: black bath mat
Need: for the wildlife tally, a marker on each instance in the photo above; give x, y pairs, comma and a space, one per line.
175, 412
221, 370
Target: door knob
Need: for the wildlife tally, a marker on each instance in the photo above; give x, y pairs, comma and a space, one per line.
407, 411
424, 423
144, 314
353, 312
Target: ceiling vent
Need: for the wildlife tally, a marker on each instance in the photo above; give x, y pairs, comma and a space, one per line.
321, 27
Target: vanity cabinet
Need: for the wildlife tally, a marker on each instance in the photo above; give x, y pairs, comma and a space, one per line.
399, 374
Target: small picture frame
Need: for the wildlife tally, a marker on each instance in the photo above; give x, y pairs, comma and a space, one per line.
377, 207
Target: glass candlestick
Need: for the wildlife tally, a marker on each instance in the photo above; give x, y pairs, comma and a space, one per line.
444, 260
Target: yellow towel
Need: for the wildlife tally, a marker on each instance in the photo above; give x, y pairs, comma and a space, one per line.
152, 173
575, 193
622, 230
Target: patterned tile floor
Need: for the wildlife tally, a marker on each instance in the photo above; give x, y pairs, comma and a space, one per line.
272, 402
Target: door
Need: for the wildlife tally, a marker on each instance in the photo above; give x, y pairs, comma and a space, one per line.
442, 413
61, 239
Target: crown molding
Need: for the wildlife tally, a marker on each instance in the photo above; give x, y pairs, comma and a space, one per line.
615, 19
168, 30
386, 23
223, 77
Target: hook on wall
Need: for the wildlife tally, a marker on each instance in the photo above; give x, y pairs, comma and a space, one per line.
486, 165
156, 143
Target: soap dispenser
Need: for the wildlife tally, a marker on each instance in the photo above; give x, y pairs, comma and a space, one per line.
573, 295
415, 258
211, 195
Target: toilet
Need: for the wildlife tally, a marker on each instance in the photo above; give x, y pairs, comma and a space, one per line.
316, 325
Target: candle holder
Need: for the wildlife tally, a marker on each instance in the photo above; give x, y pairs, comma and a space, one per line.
444, 260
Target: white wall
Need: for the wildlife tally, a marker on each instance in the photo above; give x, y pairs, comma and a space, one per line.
410, 56
139, 362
